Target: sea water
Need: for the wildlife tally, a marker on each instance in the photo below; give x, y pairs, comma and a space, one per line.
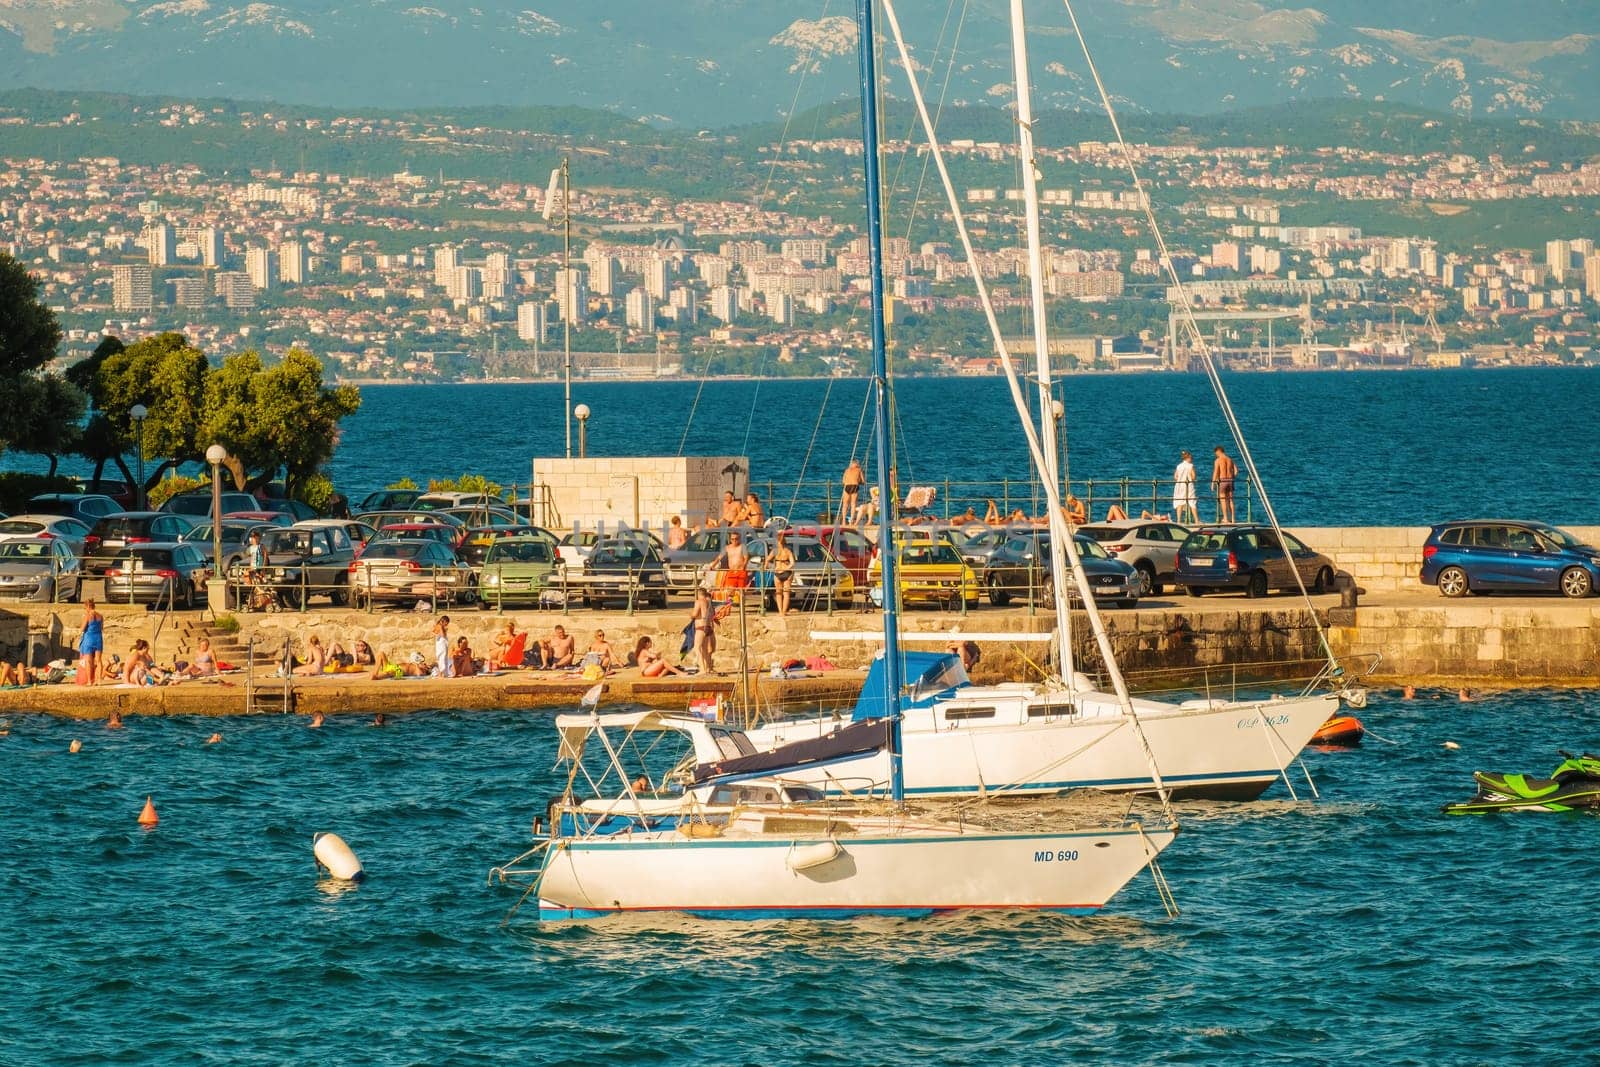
1363, 448
1363, 926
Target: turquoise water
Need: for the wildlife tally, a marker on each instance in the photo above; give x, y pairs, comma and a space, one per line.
1360, 927
1358, 448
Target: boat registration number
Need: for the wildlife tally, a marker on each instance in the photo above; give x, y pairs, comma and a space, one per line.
1065, 855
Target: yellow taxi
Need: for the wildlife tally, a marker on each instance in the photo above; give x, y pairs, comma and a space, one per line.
930, 572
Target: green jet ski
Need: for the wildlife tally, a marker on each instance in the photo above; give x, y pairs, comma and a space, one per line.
1573, 786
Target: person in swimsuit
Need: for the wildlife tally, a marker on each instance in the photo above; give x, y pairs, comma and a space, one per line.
854, 478
93, 643
652, 664
781, 562
705, 630
443, 666
1223, 472
735, 563
205, 661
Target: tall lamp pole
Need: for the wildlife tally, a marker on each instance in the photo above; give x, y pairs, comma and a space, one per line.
214, 456
569, 296
139, 411
581, 413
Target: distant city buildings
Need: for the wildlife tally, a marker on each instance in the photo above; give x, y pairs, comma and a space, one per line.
130, 288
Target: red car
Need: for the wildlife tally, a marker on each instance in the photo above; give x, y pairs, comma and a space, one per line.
848, 544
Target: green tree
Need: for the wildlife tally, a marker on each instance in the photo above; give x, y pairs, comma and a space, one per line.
29, 332
168, 376
50, 417
29, 335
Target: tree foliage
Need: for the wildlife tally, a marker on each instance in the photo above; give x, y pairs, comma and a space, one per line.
39, 412
274, 421
29, 332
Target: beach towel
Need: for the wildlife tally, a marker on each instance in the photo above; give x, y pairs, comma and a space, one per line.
687, 644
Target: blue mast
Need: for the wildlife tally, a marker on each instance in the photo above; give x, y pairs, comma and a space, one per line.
880, 380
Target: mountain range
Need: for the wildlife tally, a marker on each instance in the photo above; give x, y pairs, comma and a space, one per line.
699, 63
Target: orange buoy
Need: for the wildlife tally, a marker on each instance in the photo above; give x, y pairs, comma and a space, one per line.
1339, 730
148, 816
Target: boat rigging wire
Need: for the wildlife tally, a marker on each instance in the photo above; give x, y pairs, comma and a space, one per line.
1192, 327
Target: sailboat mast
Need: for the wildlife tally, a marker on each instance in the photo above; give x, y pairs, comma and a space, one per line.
1041, 347
880, 381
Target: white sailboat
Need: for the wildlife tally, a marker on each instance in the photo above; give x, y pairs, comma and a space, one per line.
740, 839
1062, 734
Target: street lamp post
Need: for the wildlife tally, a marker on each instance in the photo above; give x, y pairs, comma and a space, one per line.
214, 456
581, 413
139, 411
1059, 411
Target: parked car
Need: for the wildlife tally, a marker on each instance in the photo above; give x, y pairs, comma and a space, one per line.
235, 534
517, 570
449, 536
61, 527
297, 510
575, 547
978, 544
1485, 556
1022, 567
929, 571
818, 576
160, 573
441, 500
848, 545
261, 518
410, 570
87, 507
1149, 545
486, 516
197, 505
622, 568
1248, 558
379, 519
686, 565
124, 494
109, 536
39, 569
387, 500
475, 546
307, 561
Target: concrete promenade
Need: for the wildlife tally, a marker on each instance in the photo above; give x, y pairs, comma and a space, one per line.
1416, 635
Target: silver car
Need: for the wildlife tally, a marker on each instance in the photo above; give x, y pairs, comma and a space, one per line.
38, 568
1150, 546
68, 529
818, 576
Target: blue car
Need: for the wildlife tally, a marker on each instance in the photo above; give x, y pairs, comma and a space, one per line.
1251, 559
1488, 555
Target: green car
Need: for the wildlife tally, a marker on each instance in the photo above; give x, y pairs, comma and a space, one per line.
517, 570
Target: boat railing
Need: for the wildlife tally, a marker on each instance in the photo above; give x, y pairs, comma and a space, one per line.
1235, 681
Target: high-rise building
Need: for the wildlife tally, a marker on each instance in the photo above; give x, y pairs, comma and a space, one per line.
465, 283
811, 251
641, 309
1225, 255
188, 292
1558, 257
685, 309
532, 321
780, 306
714, 270
572, 295
293, 263
725, 303
1591, 276
602, 272
261, 265
656, 273
444, 265
209, 238
130, 288
235, 289
162, 242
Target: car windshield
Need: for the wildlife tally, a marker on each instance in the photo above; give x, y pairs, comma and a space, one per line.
150, 557
1091, 549
518, 552
809, 552
929, 555
15, 550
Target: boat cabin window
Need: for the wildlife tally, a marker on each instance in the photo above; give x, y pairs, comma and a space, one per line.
732, 743
803, 793
744, 793
957, 714
1048, 711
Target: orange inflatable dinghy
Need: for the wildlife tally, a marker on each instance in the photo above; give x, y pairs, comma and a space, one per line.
1339, 730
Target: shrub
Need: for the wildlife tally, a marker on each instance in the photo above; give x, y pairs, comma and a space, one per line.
167, 488
227, 624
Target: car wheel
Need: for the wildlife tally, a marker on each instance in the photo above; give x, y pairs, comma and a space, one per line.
660, 601
339, 597
1258, 585
1152, 584
1453, 582
290, 597
1197, 590
998, 596
1575, 583
1324, 581
361, 602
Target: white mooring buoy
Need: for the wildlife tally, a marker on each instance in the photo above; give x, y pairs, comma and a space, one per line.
337, 857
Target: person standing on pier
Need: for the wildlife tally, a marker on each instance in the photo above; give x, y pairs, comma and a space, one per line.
1223, 472
854, 478
444, 668
1184, 506
705, 630
92, 644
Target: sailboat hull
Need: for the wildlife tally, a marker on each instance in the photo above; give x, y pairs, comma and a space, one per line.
906, 874
994, 738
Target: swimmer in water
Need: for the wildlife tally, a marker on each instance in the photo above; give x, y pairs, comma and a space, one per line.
316, 720
379, 720
115, 722
213, 739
